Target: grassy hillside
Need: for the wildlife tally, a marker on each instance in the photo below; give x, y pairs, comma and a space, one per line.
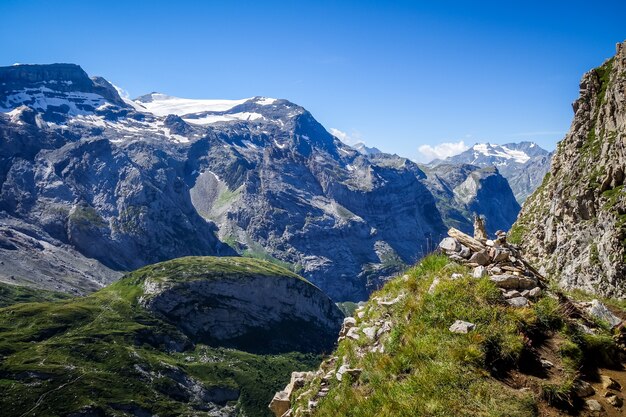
426, 370
13, 294
105, 354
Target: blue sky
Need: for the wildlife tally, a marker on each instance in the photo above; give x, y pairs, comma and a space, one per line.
397, 75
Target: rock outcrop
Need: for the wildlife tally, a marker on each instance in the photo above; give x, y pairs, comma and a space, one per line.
463, 190
574, 225
248, 305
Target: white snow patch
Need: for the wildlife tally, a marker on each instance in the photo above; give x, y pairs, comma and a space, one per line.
215, 118
283, 146
265, 101
162, 105
499, 151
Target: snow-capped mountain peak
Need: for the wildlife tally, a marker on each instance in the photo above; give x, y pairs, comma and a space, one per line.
204, 111
500, 152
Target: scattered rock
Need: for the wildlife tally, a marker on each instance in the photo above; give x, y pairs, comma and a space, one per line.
546, 364
391, 302
610, 383
593, 405
583, 389
457, 258
600, 311
433, 286
456, 275
518, 301
450, 245
353, 333
461, 326
512, 294
385, 328
370, 332
479, 272
615, 401
280, 403
534, 293
346, 370
348, 323
480, 258
465, 252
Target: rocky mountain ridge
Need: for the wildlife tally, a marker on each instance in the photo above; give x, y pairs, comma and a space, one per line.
573, 225
523, 164
119, 184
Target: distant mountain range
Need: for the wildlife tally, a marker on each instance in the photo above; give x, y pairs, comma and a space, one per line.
93, 184
523, 164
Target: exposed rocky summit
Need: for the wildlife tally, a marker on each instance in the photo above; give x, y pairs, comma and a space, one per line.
574, 224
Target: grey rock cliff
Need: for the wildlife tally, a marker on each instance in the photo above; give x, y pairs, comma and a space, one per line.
123, 183
574, 224
462, 190
261, 313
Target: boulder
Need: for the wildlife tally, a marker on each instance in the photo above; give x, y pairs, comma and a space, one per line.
610, 383
353, 333
615, 401
518, 301
461, 326
465, 252
480, 258
512, 294
593, 405
479, 272
280, 403
506, 281
450, 245
583, 389
598, 310
370, 332
346, 370
498, 254
534, 293
526, 283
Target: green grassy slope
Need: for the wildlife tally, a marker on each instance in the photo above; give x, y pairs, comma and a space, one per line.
13, 294
105, 353
426, 370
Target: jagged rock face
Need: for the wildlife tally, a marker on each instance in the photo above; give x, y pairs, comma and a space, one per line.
81, 198
256, 312
574, 224
126, 183
523, 164
462, 190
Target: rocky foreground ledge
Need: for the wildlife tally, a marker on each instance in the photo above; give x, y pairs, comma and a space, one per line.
370, 333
